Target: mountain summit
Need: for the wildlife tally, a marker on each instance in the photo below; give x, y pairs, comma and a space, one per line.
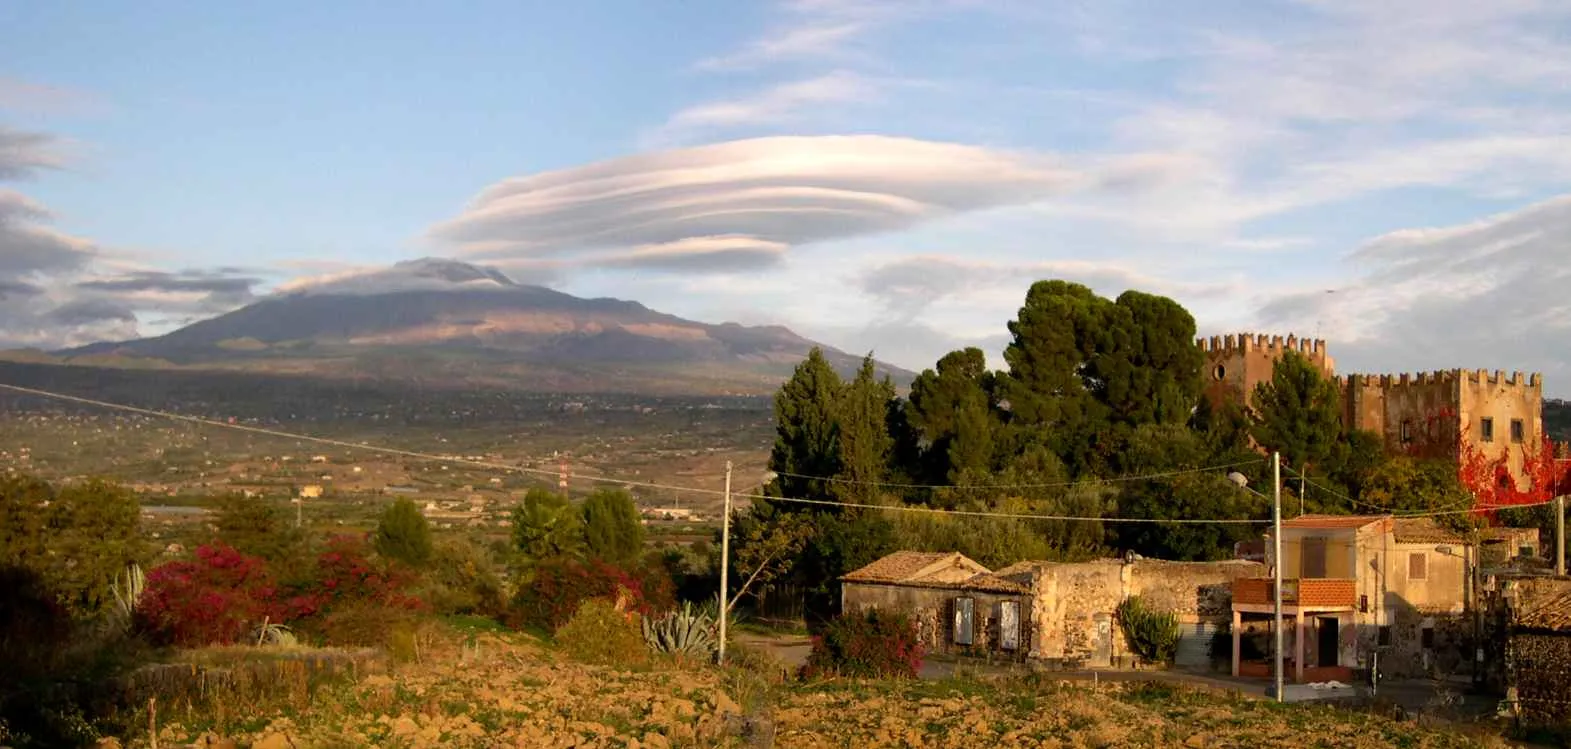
447, 322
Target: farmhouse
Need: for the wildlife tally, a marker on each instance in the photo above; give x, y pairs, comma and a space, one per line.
1060, 614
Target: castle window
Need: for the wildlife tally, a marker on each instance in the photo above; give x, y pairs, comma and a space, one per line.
1219, 372
1407, 430
1518, 433
1486, 428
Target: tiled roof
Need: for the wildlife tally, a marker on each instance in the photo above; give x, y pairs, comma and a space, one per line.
1333, 521
905, 568
990, 583
897, 567
1424, 531
1552, 614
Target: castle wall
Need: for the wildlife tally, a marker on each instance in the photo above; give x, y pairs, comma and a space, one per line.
1235, 364
1504, 399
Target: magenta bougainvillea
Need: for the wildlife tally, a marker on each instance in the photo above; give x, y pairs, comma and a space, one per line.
215, 598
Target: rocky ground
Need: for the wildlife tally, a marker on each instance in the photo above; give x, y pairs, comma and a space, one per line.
502, 690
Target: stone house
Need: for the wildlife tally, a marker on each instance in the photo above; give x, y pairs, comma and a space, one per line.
1529, 644
1360, 588
1073, 605
959, 606
1062, 614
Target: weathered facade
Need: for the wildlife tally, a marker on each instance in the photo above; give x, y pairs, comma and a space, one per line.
1072, 610
1357, 586
958, 605
1061, 614
1457, 415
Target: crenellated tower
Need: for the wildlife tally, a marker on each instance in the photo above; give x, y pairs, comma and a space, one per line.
1236, 363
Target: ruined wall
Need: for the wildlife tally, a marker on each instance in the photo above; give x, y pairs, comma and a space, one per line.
1073, 606
1235, 364
933, 611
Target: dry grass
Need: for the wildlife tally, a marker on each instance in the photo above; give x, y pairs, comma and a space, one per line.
510, 690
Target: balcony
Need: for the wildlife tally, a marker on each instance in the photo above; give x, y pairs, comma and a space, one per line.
1326, 593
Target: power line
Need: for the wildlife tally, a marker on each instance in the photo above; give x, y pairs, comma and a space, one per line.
1426, 514
1051, 485
603, 479
1004, 515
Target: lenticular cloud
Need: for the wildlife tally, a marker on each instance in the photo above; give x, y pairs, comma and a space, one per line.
741, 203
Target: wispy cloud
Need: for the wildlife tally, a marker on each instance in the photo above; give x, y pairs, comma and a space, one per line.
775, 106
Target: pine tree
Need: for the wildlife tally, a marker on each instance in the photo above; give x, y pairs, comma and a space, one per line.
807, 435
404, 534
1297, 412
864, 442
611, 528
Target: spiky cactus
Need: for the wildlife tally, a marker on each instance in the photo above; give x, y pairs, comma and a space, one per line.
686, 631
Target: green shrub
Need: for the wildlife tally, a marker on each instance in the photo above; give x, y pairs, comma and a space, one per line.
600, 633
1152, 634
399, 631
403, 534
874, 644
554, 590
461, 579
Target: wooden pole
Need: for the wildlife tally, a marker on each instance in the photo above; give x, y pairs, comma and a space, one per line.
725, 560
1276, 543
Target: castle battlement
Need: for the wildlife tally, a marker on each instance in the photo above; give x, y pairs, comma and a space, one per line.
1470, 377
1242, 342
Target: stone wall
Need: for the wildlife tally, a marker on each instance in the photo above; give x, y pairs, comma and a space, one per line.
933, 611
1072, 610
1541, 666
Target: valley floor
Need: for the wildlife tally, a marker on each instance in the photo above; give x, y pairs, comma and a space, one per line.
499, 689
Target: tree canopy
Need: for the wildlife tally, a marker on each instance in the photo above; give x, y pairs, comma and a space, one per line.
403, 533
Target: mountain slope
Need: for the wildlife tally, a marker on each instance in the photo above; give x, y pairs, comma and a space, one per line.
447, 321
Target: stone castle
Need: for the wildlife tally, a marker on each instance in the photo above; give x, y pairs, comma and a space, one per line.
1446, 414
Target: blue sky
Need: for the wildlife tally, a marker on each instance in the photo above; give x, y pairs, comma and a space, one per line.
876, 174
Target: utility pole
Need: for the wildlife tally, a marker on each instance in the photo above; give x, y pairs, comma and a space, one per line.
1276, 565
725, 560
1560, 535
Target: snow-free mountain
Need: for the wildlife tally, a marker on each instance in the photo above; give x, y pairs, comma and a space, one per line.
448, 322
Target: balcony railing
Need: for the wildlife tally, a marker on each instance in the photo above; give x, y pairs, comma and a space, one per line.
1322, 591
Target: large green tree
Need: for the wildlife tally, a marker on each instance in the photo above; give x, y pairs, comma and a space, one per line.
807, 429
1082, 368
75, 538
864, 443
611, 528
952, 412
403, 533
1149, 369
546, 525
1297, 413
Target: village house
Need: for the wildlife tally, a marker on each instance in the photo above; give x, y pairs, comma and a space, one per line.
958, 605
1056, 613
1360, 588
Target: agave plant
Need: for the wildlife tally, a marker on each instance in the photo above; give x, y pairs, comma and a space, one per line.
127, 590
686, 631
272, 633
